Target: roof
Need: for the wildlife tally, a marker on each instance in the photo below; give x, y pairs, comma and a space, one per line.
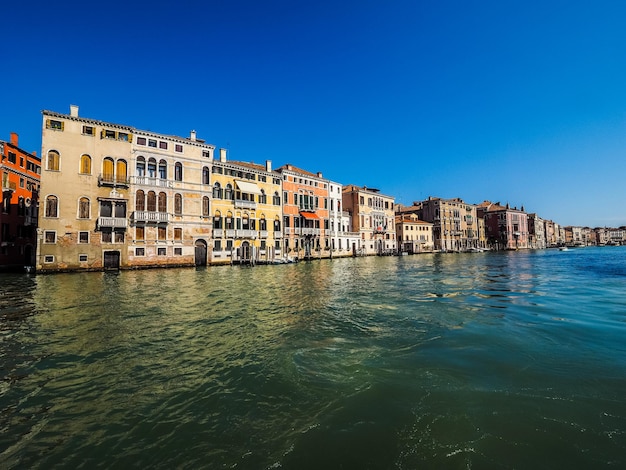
289, 167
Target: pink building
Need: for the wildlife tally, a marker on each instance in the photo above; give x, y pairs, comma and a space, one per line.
506, 227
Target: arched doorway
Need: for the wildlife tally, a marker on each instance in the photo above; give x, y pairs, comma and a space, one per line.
201, 253
245, 251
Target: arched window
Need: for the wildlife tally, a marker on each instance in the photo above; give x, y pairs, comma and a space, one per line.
217, 191
263, 197
162, 202
178, 171
262, 223
163, 170
52, 206
205, 206
151, 206
54, 160
141, 166
228, 193
178, 204
276, 198
121, 171
83, 208
217, 220
205, 175
85, 165
277, 224
108, 169
152, 168
140, 201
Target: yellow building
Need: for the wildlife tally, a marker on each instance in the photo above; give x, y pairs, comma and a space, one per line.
246, 212
414, 235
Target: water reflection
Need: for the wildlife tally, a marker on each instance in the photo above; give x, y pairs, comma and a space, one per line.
352, 363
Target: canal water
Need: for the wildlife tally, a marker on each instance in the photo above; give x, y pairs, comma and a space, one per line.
482, 360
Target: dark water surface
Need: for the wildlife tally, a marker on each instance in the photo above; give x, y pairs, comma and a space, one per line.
486, 360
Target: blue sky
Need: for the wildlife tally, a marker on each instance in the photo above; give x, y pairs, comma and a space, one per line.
519, 102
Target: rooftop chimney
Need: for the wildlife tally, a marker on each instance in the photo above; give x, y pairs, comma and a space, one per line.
73, 110
192, 136
268, 165
222, 155
319, 174
14, 138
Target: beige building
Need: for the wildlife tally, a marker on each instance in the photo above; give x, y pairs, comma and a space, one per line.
455, 224
414, 235
372, 216
113, 196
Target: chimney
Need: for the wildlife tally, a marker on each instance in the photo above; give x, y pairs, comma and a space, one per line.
268, 165
222, 155
73, 110
319, 174
192, 136
14, 138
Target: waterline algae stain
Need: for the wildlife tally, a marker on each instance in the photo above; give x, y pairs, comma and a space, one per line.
490, 360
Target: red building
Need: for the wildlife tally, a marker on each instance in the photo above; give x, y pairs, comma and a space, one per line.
20, 172
507, 228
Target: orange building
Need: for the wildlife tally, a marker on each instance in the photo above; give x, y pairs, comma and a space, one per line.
20, 172
305, 213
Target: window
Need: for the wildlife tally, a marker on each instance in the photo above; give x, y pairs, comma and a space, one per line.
12, 157
152, 201
141, 141
53, 161
178, 204
263, 197
276, 225
140, 233
162, 145
140, 251
85, 165
161, 251
119, 236
152, 143
152, 168
83, 237
217, 191
205, 206
205, 175
178, 234
54, 125
178, 148
121, 171
82, 258
178, 171
88, 130
107, 235
123, 136
276, 198
108, 134
48, 259
52, 205
83, 208
162, 170
162, 202
140, 201
140, 169
178, 251
217, 245
228, 193
50, 236
161, 233
108, 169
206, 154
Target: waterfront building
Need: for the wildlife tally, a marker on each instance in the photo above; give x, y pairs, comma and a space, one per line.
455, 224
536, 232
342, 241
305, 213
574, 236
246, 212
414, 235
170, 189
550, 233
20, 172
373, 217
507, 228
113, 196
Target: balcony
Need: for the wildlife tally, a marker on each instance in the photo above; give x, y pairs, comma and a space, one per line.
263, 234
30, 220
309, 231
278, 235
113, 222
218, 232
243, 204
152, 181
241, 233
9, 186
150, 217
230, 233
113, 180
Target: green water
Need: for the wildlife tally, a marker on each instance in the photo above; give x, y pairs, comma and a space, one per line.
485, 360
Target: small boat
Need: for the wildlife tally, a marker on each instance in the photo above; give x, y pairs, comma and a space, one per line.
563, 248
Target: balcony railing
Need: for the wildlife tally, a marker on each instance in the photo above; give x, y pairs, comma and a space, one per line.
115, 222
218, 232
242, 204
241, 233
262, 233
152, 181
150, 216
113, 180
230, 233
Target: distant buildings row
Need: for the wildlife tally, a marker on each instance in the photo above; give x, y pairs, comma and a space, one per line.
109, 196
